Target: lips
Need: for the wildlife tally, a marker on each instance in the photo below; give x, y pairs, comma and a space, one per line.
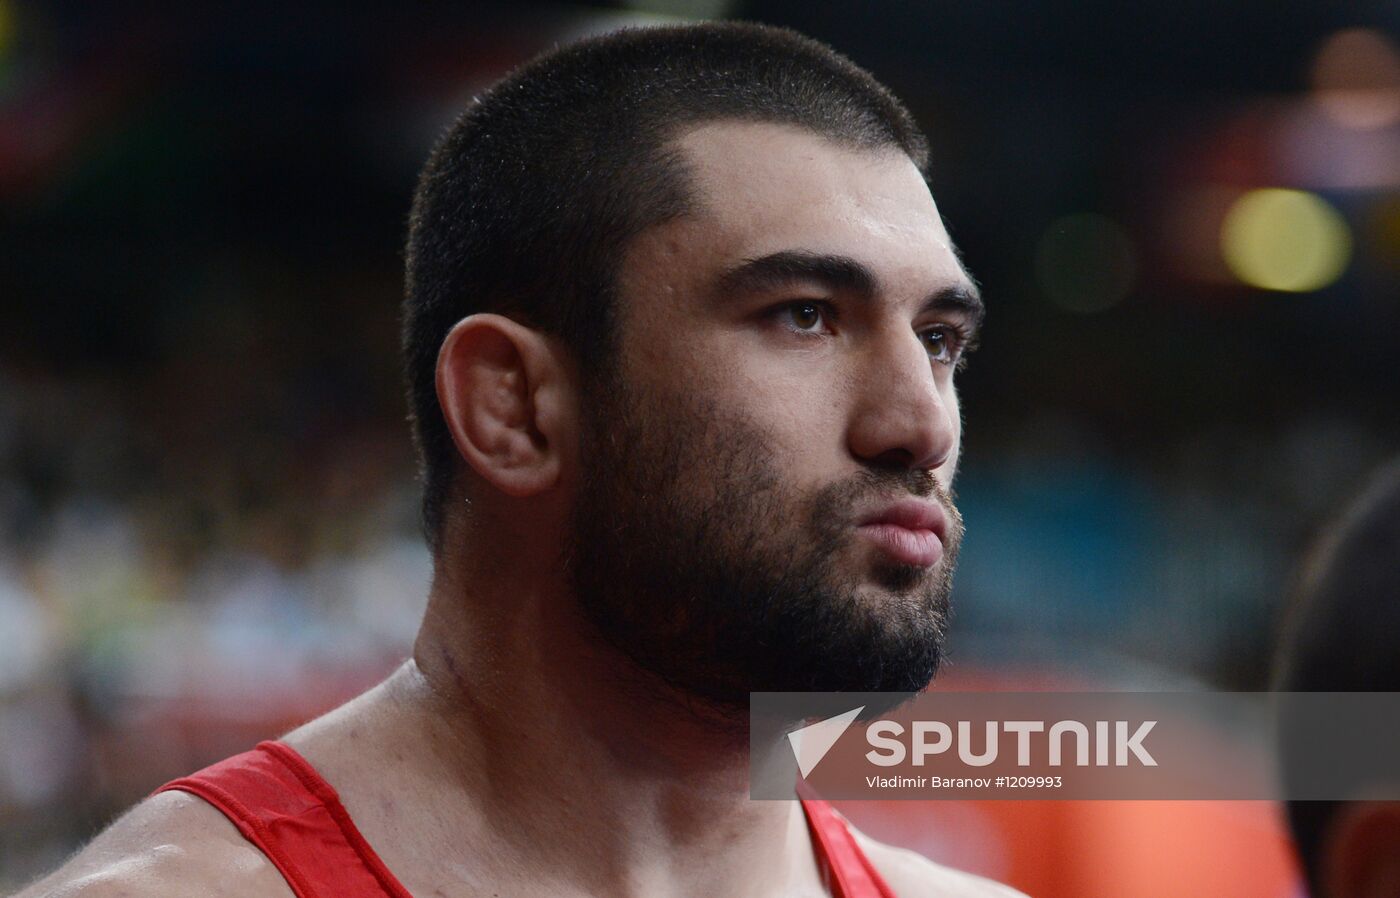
910, 531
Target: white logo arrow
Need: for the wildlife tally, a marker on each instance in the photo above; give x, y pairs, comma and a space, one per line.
811, 743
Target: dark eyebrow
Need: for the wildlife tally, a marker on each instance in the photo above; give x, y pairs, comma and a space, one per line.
781, 269
965, 299
841, 273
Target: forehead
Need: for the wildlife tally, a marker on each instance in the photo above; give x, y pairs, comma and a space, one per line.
761, 188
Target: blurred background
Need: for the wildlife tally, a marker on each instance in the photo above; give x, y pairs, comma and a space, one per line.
1185, 217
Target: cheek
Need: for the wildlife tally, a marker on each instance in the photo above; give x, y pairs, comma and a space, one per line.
788, 403
800, 404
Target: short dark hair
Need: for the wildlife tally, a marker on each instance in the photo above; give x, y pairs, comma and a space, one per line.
1341, 632
528, 201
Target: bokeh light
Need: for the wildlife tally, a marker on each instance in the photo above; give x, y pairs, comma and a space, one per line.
1287, 240
1356, 79
1085, 263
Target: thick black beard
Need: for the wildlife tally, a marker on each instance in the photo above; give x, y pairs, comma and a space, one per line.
690, 557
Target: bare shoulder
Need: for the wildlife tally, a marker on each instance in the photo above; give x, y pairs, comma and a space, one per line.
171, 844
912, 875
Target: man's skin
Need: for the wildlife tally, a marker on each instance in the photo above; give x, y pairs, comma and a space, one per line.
516, 754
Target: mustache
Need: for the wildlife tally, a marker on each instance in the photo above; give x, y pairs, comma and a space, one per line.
922, 483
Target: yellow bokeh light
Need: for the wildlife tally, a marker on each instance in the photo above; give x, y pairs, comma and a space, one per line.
1286, 240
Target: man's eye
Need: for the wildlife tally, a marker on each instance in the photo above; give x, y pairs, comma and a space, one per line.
942, 345
805, 316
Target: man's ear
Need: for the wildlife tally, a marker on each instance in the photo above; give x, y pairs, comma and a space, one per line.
508, 402
1362, 851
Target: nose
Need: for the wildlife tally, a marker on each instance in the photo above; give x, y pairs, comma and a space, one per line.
902, 418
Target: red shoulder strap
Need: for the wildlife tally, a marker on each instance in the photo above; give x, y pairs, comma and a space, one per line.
846, 869
281, 805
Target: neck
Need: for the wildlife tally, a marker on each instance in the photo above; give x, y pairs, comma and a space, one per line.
540, 745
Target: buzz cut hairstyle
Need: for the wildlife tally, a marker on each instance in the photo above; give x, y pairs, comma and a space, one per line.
530, 198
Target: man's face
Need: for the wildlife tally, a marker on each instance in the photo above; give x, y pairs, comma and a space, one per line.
765, 504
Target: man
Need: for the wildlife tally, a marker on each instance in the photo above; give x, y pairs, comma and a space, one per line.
1343, 635
681, 328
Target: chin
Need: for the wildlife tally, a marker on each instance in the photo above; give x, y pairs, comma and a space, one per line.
904, 578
